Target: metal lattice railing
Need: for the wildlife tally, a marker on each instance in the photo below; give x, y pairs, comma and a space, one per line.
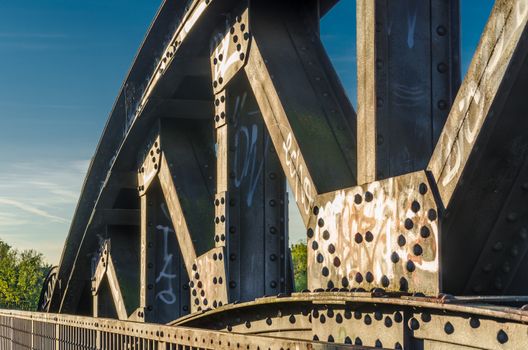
33, 330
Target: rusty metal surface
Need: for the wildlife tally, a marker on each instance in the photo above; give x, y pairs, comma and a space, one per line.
26, 330
224, 107
381, 235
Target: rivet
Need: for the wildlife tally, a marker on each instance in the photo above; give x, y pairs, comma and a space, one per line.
449, 328
369, 277
408, 224
331, 248
325, 272
398, 317
358, 341
358, 199
410, 266
320, 222
441, 30
344, 282
315, 245
425, 232
369, 196
369, 236
367, 319
310, 233
359, 277
497, 247
417, 250
442, 67
414, 324
426, 317
431, 214
502, 337
422, 188
415, 206
358, 238
404, 285
474, 322
316, 210
506, 267
401, 240
487, 268
385, 281
523, 234
320, 258
512, 217
498, 283
395, 257
388, 322
326, 235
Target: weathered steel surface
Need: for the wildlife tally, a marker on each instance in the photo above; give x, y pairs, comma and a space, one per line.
381, 235
311, 127
408, 75
189, 186
479, 163
26, 330
377, 321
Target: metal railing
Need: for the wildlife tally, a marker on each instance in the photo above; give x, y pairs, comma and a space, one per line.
34, 330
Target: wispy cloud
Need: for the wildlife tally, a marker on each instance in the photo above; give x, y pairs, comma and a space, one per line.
32, 209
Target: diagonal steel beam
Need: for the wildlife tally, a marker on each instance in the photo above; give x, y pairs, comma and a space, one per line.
479, 162
312, 128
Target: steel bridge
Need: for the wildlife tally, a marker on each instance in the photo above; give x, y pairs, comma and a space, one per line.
415, 205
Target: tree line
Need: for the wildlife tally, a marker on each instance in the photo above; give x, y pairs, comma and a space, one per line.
22, 274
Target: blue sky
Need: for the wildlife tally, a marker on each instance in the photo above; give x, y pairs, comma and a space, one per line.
62, 63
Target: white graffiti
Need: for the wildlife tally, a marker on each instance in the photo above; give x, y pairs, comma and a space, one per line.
383, 218
302, 189
167, 295
411, 28
248, 166
251, 166
472, 106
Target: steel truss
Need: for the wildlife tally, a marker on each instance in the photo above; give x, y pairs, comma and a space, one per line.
183, 215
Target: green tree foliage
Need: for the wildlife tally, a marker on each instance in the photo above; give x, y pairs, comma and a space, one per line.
21, 277
300, 263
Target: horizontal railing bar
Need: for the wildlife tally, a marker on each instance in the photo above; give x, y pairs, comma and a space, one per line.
172, 335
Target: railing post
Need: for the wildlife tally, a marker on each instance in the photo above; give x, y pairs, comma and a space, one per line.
32, 333
57, 334
97, 338
12, 337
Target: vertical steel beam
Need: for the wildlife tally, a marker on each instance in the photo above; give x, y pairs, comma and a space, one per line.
251, 195
147, 262
408, 74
